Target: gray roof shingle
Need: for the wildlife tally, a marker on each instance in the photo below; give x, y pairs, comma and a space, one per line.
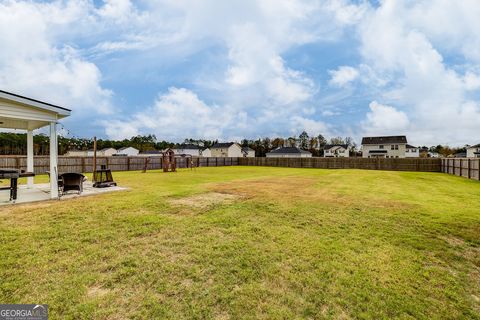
290, 150
384, 140
223, 145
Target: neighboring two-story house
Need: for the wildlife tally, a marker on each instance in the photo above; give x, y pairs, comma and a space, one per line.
412, 151
384, 147
473, 151
336, 151
187, 149
206, 153
289, 152
248, 152
226, 149
127, 151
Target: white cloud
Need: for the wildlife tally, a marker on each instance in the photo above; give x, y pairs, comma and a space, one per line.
472, 81
312, 127
383, 119
117, 10
343, 76
32, 64
178, 114
401, 44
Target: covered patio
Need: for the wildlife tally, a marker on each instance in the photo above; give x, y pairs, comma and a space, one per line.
26, 114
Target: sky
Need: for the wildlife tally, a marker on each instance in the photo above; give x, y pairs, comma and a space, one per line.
228, 70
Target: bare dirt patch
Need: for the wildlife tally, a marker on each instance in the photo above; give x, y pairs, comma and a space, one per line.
97, 291
454, 241
276, 188
205, 200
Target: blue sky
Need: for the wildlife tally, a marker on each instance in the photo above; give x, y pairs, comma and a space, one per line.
232, 69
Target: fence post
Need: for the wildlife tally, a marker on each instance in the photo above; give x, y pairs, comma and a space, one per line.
128, 163
468, 168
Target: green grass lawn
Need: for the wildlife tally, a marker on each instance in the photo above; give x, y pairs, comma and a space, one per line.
251, 243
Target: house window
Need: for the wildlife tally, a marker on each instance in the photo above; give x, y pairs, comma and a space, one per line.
380, 146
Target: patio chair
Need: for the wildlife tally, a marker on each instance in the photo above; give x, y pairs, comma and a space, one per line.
71, 181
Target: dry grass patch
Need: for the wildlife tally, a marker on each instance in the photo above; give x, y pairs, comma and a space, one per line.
283, 188
290, 190
97, 291
204, 200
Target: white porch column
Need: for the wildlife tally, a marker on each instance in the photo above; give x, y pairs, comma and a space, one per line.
53, 161
30, 167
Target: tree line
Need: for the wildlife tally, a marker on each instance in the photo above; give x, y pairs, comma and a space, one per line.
16, 144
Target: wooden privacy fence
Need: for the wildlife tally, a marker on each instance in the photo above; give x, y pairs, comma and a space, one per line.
85, 164
395, 164
463, 167
469, 168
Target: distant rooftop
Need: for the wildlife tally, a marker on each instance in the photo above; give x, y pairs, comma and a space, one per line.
329, 146
223, 145
384, 140
189, 146
290, 150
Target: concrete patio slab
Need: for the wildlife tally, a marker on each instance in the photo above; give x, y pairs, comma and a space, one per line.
41, 192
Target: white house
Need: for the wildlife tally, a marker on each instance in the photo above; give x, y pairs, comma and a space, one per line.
384, 147
248, 152
187, 149
289, 152
336, 151
206, 153
106, 152
227, 149
412, 151
473, 151
127, 151
76, 153
22, 113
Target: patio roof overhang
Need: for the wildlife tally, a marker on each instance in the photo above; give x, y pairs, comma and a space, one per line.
19, 112
22, 113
